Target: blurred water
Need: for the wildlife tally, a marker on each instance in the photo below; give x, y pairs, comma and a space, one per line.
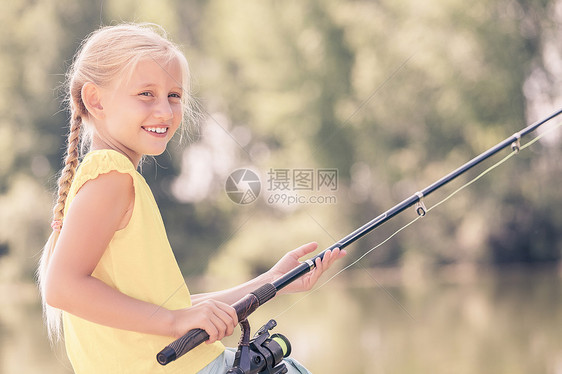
507, 321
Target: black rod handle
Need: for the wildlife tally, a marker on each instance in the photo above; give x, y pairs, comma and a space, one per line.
244, 307
181, 346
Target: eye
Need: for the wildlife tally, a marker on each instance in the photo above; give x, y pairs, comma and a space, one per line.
175, 95
145, 93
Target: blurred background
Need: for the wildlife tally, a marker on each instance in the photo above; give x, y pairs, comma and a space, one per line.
388, 96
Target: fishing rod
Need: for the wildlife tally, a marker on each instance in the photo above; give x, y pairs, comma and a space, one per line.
249, 303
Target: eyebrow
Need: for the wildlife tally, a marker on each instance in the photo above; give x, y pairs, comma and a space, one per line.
146, 84
151, 84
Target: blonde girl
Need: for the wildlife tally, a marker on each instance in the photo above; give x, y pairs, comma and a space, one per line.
108, 277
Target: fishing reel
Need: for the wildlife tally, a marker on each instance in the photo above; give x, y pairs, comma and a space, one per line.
262, 354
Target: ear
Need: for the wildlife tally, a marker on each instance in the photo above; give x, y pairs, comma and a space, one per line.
91, 96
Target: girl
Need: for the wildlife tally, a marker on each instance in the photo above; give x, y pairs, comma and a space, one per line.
107, 273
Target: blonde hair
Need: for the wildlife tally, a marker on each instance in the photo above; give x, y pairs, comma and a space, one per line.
106, 54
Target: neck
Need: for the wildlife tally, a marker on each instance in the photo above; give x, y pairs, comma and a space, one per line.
99, 144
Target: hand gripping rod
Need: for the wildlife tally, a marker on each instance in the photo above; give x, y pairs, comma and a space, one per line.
249, 303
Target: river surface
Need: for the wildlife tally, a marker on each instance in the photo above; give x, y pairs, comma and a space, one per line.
371, 321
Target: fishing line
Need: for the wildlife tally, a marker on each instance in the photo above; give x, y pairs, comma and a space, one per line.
513, 153
479, 176
253, 300
348, 266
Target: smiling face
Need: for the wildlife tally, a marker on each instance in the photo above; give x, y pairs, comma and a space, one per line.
139, 115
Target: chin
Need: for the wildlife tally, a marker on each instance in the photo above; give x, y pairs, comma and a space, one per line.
155, 150
155, 153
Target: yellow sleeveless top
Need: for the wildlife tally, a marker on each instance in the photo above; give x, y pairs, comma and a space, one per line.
138, 262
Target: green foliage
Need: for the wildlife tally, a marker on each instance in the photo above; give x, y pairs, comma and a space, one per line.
391, 94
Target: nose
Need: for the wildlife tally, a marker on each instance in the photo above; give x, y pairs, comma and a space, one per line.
163, 110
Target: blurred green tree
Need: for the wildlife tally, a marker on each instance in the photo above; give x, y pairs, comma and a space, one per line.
392, 95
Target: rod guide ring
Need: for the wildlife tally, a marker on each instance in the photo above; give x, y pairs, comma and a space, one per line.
516, 145
421, 210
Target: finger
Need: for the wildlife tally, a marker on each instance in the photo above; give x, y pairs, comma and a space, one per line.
219, 319
322, 265
230, 311
317, 272
321, 262
335, 254
329, 258
304, 249
223, 325
212, 331
341, 253
327, 261
228, 320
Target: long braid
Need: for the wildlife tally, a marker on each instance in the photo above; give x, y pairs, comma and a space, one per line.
105, 55
70, 165
52, 315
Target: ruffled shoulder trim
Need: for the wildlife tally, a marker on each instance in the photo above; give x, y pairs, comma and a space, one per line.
101, 162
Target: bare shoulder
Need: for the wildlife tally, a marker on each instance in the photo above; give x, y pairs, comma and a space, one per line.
109, 186
109, 196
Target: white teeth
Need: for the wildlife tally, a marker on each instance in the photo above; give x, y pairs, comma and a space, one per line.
158, 130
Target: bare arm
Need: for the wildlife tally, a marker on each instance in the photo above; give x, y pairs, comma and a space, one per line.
285, 264
101, 207
232, 295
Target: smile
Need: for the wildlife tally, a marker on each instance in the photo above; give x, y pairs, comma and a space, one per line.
157, 130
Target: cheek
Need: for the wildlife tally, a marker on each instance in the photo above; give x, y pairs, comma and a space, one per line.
177, 114
129, 110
